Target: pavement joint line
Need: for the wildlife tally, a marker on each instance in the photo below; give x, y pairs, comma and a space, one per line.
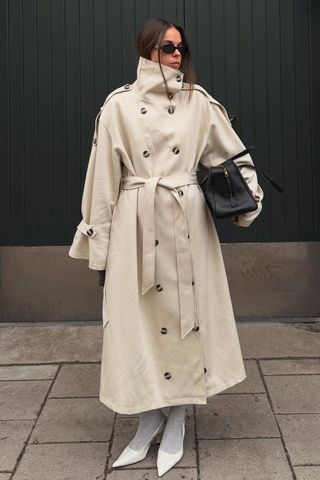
110, 445
196, 442
75, 442
240, 438
307, 464
89, 362
279, 429
296, 413
72, 398
35, 422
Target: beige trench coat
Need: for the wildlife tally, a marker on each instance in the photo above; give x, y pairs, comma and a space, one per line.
169, 334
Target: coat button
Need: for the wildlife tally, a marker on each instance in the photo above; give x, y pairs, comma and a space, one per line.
159, 287
143, 110
167, 375
196, 328
127, 86
156, 242
90, 232
146, 153
171, 110
178, 78
205, 370
170, 96
94, 142
176, 150
192, 283
180, 192
163, 330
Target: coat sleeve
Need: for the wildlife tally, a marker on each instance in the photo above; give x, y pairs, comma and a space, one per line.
223, 143
100, 194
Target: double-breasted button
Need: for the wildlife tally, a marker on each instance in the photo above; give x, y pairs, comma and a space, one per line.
94, 142
156, 242
176, 150
196, 328
143, 110
127, 86
180, 192
90, 232
163, 330
178, 78
192, 283
167, 375
205, 370
170, 95
159, 287
171, 110
146, 153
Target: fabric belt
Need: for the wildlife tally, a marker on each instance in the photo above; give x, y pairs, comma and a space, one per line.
183, 254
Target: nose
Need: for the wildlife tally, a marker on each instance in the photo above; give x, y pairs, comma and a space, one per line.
176, 53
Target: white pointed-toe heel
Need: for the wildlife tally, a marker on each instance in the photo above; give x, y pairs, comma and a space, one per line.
166, 461
129, 456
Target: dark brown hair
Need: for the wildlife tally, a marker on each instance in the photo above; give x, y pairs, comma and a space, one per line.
151, 34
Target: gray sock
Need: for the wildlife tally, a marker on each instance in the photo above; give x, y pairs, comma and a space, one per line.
172, 436
148, 423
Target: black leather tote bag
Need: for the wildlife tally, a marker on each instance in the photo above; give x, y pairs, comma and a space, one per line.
226, 192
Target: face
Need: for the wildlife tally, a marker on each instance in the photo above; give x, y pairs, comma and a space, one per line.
172, 60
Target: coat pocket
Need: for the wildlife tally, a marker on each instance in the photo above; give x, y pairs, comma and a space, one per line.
105, 313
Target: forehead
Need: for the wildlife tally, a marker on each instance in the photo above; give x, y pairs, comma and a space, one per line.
172, 35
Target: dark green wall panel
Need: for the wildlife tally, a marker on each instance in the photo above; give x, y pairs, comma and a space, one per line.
60, 59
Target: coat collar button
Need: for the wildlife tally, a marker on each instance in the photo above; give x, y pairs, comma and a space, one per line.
127, 86
146, 153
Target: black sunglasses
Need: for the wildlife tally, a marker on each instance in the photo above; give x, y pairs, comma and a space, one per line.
170, 48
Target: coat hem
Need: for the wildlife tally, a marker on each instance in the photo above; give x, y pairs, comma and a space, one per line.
174, 401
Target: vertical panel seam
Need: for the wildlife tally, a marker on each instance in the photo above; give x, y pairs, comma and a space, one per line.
295, 117
37, 117
9, 135
311, 125
23, 126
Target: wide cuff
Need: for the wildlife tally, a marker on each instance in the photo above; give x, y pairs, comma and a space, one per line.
91, 243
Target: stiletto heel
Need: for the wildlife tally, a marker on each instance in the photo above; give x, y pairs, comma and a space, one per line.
129, 456
165, 460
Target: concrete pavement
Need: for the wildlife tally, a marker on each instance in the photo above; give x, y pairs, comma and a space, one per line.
53, 426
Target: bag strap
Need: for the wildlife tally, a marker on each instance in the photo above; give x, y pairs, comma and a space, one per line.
267, 177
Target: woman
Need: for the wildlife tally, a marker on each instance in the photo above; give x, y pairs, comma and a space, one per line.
169, 335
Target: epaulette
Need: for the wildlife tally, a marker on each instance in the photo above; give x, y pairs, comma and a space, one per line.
125, 88
212, 100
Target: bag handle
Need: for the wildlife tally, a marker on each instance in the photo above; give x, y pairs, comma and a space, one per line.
267, 177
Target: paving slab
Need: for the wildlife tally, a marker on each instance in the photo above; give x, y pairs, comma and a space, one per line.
77, 381
249, 459
294, 393
307, 473
82, 461
236, 416
22, 400
252, 384
28, 372
173, 474
50, 344
13, 435
301, 434
267, 340
125, 430
5, 476
73, 420
301, 366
